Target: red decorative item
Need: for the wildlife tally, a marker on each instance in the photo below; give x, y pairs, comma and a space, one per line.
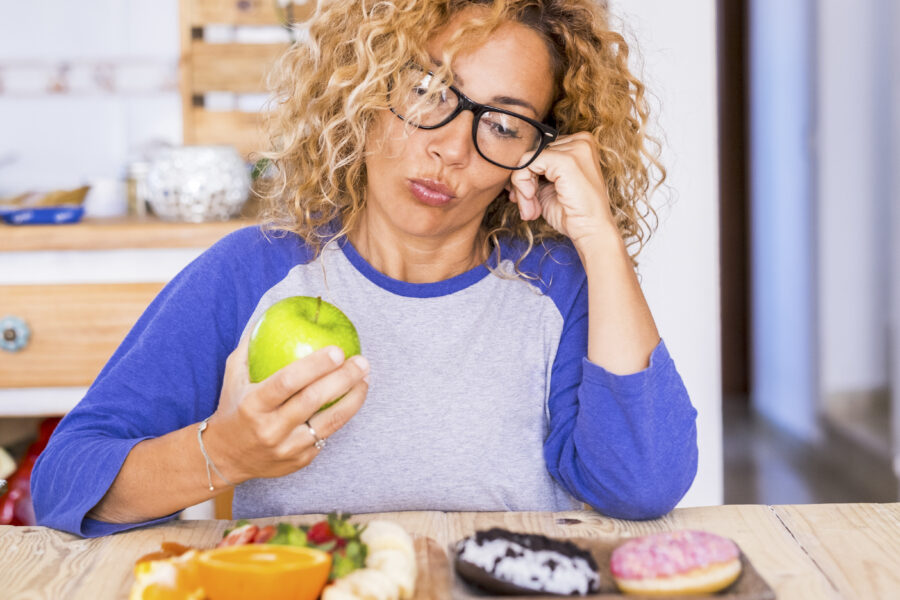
15, 504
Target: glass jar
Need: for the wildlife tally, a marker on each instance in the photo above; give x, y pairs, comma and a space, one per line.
197, 183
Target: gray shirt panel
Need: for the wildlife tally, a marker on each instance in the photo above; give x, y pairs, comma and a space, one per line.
456, 413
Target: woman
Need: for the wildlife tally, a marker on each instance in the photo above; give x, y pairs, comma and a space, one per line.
462, 179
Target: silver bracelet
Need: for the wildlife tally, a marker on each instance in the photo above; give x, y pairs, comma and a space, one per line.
209, 463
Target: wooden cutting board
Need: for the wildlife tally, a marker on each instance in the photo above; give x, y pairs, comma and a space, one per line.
434, 577
437, 579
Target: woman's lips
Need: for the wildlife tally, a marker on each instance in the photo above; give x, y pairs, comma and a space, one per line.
430, 192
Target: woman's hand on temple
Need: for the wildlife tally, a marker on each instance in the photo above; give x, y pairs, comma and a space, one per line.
565, 185
259, 429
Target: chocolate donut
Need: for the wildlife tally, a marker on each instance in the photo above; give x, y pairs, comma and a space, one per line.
504, 562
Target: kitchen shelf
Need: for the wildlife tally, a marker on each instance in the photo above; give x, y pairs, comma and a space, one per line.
115, 233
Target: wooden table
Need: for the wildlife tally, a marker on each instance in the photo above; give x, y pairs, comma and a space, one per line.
819, 551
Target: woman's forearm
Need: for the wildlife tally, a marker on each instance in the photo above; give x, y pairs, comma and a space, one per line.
621, 330
160, 476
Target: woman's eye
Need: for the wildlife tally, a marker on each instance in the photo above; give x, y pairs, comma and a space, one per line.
501, 130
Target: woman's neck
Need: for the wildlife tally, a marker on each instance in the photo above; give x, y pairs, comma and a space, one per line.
415, 259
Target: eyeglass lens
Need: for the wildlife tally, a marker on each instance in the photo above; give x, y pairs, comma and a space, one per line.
500, 137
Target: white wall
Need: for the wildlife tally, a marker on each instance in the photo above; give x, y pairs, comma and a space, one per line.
853, 190
115, 64
784, 387
893, 22
680, 266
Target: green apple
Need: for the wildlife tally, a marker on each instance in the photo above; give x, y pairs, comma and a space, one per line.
295, 327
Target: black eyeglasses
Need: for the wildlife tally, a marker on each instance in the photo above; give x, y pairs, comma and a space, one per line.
501, 137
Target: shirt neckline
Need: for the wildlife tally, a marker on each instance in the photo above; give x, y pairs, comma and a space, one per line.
412, 290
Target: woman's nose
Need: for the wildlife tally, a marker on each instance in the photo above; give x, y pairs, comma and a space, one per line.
453, 143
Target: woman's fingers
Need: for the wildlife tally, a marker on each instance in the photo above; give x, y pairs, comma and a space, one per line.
236, 378
236, 373
238, 356
563, 177
262, 421
336, 416
311, 398
272, 392
523, 191
325, 423
524, 182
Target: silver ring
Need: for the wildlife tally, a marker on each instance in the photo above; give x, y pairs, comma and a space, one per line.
320, 442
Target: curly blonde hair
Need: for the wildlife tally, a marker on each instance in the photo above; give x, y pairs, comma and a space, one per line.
328, 88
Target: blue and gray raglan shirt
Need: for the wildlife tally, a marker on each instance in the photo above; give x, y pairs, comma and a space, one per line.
481, 397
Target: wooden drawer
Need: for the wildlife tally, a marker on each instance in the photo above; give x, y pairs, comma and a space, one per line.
74, 330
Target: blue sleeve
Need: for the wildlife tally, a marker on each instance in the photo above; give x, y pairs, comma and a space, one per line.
165, 375
624, 444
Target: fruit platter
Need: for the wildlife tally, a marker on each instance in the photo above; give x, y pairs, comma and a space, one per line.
332, 559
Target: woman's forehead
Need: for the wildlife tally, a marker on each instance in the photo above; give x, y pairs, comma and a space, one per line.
512, 62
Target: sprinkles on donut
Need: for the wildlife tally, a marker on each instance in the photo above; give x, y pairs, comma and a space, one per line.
675, 563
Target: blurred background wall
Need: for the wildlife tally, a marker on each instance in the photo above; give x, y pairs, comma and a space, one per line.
824, 154
675, 55
83, 87
856, 159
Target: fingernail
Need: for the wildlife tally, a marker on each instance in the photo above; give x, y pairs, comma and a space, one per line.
336, 355
361, 362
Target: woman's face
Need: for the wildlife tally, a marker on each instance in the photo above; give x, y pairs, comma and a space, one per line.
433, 182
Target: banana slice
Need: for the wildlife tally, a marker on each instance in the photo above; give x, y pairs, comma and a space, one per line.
384, 535
390, 571
332, 592
398, 566
369, 584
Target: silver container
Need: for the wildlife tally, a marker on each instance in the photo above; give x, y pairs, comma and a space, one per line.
197, 183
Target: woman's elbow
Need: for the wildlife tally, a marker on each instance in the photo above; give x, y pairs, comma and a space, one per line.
649, 494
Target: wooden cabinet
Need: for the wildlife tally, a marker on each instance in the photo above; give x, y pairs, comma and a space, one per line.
79, 289
74, 330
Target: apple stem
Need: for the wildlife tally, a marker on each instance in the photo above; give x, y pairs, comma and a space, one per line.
318, 306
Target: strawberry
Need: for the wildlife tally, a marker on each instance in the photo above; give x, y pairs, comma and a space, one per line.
320, 533
239, 536
336, 535
264, 535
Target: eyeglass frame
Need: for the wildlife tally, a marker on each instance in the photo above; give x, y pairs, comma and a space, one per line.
465, 103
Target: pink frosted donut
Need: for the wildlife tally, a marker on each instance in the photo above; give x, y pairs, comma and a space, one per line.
675, 562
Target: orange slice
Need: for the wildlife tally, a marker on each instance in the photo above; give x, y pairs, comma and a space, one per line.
167, 579
264, 571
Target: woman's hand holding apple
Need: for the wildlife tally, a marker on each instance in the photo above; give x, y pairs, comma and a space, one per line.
259, 430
